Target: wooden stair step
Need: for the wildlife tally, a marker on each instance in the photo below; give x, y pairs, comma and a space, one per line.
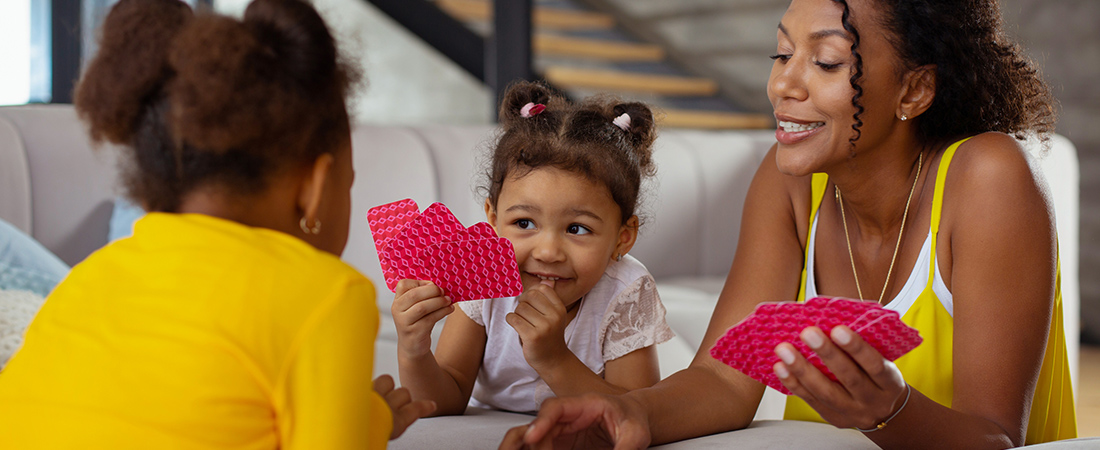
713, 120
610, 80
556, 45
543, 17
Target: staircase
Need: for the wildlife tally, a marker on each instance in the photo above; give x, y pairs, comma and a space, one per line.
589, 46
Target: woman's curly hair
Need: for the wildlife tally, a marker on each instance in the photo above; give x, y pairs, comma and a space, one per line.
201, 99
984, 82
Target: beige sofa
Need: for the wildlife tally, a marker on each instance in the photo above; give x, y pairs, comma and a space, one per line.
60, 191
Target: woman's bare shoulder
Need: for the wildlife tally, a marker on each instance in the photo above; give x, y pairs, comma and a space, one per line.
991, 179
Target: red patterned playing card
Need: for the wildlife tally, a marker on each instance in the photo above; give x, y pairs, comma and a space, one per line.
473, 269
388, 220
468, 263
750, 345
402, 254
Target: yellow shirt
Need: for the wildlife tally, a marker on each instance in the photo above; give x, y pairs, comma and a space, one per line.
199, 332
928, 368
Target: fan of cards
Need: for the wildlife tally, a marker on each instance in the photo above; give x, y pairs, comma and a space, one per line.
467, 263
750, 345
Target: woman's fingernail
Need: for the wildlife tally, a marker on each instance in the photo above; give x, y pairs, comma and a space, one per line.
813, 338
841, 336
781, 371
785, 354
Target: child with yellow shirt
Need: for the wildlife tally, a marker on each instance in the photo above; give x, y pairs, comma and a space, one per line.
227, 320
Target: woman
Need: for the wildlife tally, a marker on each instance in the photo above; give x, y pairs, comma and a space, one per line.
875, 100
227, 320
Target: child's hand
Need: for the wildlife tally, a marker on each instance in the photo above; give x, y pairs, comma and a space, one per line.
418, 306
540, 320
405, 411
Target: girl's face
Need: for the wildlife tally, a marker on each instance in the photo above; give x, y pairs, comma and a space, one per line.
565, 228
809, 86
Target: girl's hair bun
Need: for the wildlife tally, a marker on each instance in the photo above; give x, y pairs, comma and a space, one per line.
210, 99
292, 34
641, 133
523, 93
274, 66
130, 67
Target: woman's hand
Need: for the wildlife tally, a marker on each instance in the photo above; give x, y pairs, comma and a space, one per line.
416, 309
540, 319
870, 387
589, 421
404, 410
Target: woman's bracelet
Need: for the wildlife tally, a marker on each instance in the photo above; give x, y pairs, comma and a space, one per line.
881, 425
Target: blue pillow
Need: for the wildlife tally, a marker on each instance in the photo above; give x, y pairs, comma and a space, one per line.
123, 217
27, 265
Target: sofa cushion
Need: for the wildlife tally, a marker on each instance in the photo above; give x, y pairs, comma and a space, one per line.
15, 178
480, 429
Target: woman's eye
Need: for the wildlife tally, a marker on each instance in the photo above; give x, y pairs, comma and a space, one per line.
525, 224
781, 57
827, 66
578, 229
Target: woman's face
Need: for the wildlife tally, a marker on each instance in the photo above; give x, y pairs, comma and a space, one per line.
809, 86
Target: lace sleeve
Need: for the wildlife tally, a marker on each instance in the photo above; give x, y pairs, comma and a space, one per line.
472, 309
634, 320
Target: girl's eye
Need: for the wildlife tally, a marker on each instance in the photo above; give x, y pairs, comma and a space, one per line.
525, 224
578, 229
782, 58
826, 66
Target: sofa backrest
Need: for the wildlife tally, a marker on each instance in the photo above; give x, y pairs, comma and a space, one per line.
64, 197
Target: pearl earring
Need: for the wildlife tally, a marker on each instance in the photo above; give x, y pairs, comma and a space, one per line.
904, 117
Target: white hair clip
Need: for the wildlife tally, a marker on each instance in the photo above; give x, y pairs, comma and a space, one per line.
623, 122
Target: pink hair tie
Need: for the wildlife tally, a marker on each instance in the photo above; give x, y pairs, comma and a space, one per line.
531, 110
622, 121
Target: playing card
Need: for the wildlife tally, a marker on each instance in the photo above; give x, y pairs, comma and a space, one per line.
473, 269
388, 220
750, 345
481, 230
400, 259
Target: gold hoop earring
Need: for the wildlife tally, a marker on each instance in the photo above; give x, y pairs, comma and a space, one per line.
315, 229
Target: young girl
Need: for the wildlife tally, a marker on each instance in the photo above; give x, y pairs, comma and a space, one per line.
563, 186
227, 320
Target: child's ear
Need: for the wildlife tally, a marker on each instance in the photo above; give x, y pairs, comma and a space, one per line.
491, 215
312, 188
628, 234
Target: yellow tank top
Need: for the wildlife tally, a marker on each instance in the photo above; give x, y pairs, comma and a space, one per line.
928, 368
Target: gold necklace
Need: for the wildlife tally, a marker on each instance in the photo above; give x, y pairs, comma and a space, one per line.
839, 199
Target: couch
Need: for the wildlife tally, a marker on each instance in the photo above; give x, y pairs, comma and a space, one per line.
59, 190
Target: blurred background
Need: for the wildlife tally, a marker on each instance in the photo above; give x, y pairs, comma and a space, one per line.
704, 63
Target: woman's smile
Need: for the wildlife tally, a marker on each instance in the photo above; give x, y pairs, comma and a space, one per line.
788, 133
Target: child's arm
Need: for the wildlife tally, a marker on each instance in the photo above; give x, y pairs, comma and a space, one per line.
448, 377
540, 320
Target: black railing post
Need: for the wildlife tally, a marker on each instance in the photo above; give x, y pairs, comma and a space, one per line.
65, 48
439, 30
508, 52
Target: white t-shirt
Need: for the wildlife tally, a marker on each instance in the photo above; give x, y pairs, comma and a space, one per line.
621, 313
